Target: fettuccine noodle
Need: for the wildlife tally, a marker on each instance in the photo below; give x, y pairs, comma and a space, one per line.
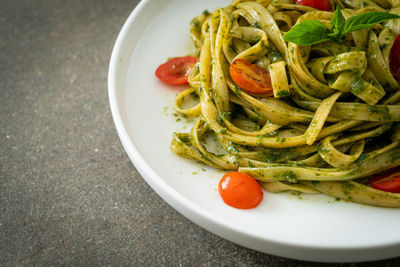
333, 117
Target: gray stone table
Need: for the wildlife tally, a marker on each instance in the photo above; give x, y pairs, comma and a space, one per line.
68, 192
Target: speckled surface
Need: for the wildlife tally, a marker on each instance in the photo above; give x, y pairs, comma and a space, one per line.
68, 192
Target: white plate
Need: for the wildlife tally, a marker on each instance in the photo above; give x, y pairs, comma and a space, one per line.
314, 228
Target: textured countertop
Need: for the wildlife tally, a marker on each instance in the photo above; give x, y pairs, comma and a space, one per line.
68, 192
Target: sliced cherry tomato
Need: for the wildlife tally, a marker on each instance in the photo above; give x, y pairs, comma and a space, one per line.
240, 190
250, 77
394, 58
176, 71
318, 4
388, 181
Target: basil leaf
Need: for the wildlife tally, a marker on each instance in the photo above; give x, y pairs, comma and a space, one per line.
312, 31
336, 25
308, 32
337, 22
335, 36
366, 20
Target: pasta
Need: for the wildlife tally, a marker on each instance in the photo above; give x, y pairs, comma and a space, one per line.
332, 119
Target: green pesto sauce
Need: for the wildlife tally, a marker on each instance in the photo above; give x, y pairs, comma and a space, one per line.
280, 139
284, 93
256, 25
196, 24
289, 176
395, 155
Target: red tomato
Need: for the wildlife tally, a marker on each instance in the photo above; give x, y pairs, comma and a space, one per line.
388, 181
318, 4
240, 190
250, 77
394, 58
176, 71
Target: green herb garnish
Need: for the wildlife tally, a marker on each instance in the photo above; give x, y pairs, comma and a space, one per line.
312, 31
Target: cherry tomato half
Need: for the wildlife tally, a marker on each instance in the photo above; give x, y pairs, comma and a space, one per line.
176, 71
240, 190
394, 58
318, 4
250, 77
388, 181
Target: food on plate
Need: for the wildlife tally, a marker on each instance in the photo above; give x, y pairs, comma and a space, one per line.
394, 59
318, 4
299, 98
240, 190
388, 181
176, 70
250, 77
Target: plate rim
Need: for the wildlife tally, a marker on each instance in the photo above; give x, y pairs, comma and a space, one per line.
206, 219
